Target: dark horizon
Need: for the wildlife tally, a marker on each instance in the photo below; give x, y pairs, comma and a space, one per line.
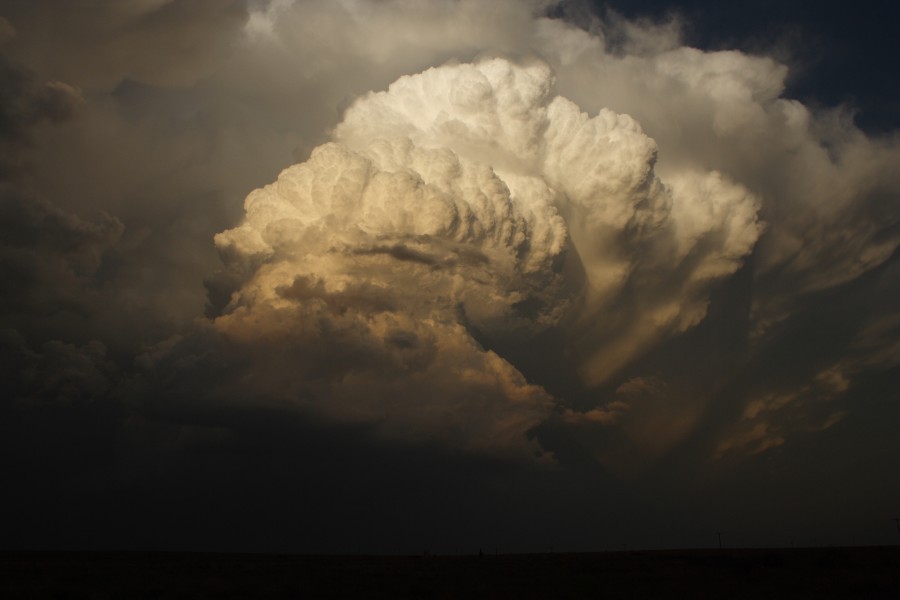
823, 573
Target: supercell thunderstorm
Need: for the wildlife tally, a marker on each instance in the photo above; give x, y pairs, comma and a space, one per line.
468, 202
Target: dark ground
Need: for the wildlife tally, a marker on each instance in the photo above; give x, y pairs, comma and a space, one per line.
782, 573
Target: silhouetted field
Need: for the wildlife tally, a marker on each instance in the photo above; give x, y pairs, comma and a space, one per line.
782, 573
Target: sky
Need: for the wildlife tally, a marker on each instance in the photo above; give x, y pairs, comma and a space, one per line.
388, 276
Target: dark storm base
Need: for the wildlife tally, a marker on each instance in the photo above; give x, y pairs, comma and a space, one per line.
757, 573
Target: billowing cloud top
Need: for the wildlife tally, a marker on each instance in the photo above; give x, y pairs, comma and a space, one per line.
446, 210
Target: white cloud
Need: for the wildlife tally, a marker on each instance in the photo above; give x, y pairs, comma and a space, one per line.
440, 208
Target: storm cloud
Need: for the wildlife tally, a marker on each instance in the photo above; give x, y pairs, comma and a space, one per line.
528, 235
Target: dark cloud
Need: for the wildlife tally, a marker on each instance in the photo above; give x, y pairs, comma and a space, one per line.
48, 256
97, 44
25, 102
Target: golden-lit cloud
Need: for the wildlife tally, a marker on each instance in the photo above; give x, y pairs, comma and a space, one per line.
445, 210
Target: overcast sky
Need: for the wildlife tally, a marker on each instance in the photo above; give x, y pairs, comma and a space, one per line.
386, 276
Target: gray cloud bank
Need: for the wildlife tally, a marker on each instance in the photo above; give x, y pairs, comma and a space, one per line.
469, 230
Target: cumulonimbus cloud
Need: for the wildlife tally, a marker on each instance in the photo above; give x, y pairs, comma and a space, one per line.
447, 206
